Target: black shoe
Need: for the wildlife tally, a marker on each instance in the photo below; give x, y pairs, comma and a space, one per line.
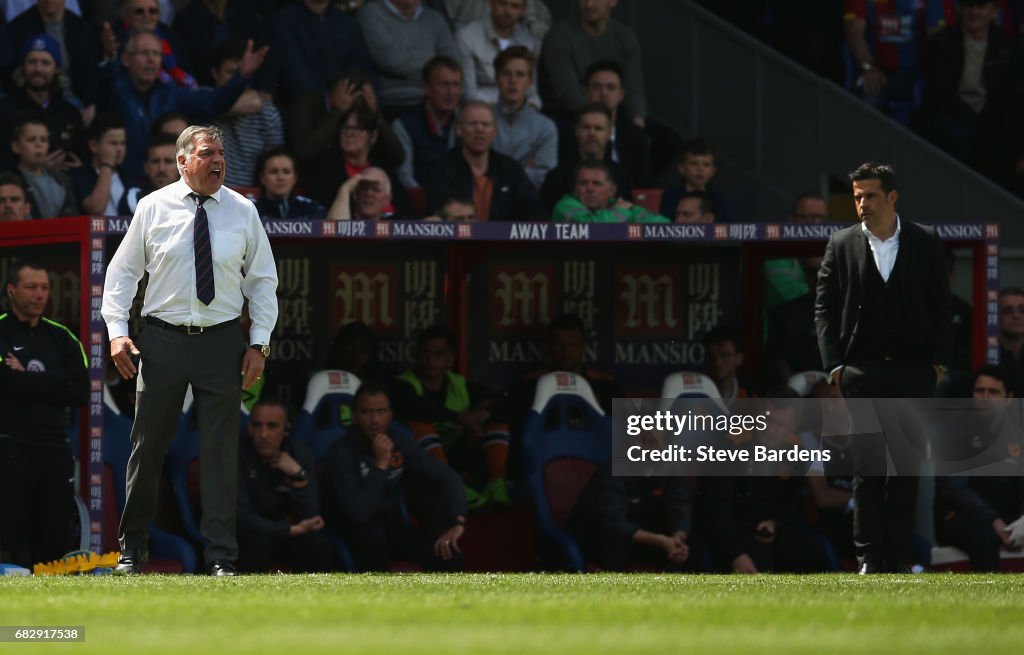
130, 562
221, 567
900, 568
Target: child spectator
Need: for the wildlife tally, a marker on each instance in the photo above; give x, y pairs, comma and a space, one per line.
278, 199
50, 192
101, 183
695, 168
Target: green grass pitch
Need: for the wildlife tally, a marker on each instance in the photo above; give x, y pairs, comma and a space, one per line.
424, 613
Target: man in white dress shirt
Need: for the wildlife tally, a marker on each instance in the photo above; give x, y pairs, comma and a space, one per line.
206, 252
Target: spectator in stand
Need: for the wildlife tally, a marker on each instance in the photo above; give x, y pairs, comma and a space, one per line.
313, 120
971, 83
428, 132
695, 207
14, 205
78, 49
482, 40
366, 196
971, 98
454, 419
279, 519
161, 168
170, 122
524, 134
276, 168
37, 92
1011, 330
366, 475
723, 356
973, 513
755, 521
456, 209
593, 136
203, 25
695, 168
594, 200
536, 18
940, 14
357, 132
403, 36
500, 189
100, 184
886, 42
248, 135
316, 42
136, 93
629, 145
572, 46
50, 192
144, 16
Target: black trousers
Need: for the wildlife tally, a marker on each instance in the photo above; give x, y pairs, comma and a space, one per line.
36, 501
883, 521
387, 538
307, 553
974, 536
211, 362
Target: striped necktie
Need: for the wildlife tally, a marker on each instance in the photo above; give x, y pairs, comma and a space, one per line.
203, 254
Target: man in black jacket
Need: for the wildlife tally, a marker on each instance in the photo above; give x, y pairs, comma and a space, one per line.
44, 373
971, 96
973, 512
279, 518
366, 473
498, 185
883, 320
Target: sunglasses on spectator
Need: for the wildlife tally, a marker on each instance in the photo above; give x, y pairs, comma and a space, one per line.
1010, 309
142, 11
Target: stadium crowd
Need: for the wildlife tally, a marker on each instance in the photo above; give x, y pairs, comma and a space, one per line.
489, 110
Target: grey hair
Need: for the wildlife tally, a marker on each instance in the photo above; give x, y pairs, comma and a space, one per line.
129, 44
186, 144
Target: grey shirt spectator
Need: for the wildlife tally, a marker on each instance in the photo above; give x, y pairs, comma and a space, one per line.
402, 36
537, 18
529, 137
479, 44
569, 49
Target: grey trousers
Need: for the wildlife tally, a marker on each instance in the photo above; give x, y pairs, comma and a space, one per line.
211, 362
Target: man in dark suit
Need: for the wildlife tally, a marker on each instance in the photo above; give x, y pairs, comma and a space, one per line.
883, 320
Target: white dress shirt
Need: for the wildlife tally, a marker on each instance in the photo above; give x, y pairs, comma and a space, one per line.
159, 242
884, 252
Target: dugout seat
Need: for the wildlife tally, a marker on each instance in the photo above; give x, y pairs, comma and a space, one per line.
319, 423
566, 436
649, 199
169, 553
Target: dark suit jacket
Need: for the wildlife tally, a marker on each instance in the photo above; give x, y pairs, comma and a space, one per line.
842, 287
514, 197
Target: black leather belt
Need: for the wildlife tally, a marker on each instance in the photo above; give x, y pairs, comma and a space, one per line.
188, 329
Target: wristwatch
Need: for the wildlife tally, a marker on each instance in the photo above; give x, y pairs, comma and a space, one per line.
261, 348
